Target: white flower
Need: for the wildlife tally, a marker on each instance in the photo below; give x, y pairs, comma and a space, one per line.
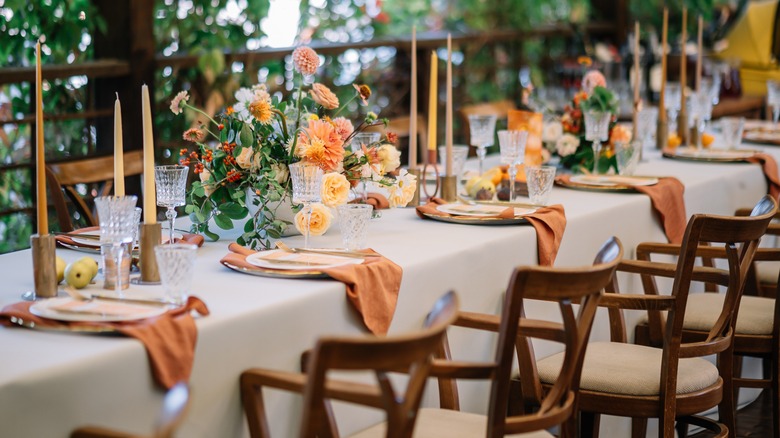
204, 177
552, 131
567, 145
389, 158
282, 173
403, 191
181, 97
245, 96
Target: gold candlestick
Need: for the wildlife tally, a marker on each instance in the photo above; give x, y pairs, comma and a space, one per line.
151, 235
662, 133
44, 265
416, 198
449, 188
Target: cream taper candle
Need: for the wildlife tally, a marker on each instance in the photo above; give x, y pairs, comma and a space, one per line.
150, 196
40, 154
119, 166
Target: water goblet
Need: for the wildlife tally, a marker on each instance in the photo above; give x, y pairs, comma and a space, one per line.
512, 145
596, 131
306, 185
646, 124
356, 146
116, 215
773, 98
176, 263
627, 156
672, 103
701, 105
353, 223
459, 155
731, 129
482, 129
171, 183
540, 181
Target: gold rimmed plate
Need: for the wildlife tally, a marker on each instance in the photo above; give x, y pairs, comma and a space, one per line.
615, 188
710, 155
476, 220
65, 328
276, 273
761, 131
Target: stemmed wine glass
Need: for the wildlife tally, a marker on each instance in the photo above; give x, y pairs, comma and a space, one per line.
171, 183
306, 185
701, 112
773, 98
356, 146
116, 217
482, 129
512, 144
672, 103
596, 131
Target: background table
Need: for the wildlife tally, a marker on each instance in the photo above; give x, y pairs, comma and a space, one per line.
50, 382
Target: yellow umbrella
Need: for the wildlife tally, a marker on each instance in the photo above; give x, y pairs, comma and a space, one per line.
750, 40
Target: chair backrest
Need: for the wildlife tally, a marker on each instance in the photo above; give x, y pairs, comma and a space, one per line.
410, 353
740, 237
97, 173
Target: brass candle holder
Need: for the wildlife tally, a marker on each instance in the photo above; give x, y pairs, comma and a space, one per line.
682, 127
44, 266
430, 162
662, 133
151, 235
416, 198
449, 187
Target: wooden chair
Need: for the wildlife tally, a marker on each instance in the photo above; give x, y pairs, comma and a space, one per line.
673, 381
175, 405
97, 173
411, 353
564, 286
756, 333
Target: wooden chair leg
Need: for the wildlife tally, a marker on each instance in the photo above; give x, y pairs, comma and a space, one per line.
682, 429
589, 424
774, 390
252, 400
638, 427
727, 409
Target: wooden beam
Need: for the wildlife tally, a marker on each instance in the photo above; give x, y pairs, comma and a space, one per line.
91, 69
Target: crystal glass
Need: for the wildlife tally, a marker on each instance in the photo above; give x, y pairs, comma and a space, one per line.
116, 215
672, 101
540, 181
596, 131
482, 129
731, 128
306, 185
512, 147
176, 263
460, 153
171, 184
137, 226
647, 120
701, 112
627, 156
358, 140
353, 223
773, 98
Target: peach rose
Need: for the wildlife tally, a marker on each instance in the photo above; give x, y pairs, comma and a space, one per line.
321, 219
244, 159
324, 97
389, 158
335, 189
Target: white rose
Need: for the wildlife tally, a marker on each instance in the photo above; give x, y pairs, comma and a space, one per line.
552, 131
567, 145
282, 173
389, 158
204, 177
244, 159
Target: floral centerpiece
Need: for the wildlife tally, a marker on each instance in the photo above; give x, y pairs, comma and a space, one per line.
571, 145
243, 165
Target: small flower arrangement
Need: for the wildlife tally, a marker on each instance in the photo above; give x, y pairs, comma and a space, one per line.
242, 157
575, 151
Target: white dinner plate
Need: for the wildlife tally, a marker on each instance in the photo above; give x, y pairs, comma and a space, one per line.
613, 180
68, 309
96, 243
716, 154
479, 210
278, 259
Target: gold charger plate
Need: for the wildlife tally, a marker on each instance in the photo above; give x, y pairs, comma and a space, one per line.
276, 273
711, 158
472, 220
63, 328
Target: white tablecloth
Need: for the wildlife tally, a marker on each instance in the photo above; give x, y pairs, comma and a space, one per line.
51, 383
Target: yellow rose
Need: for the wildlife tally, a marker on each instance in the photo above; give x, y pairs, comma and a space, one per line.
244, 159
335, 189
321, 219
389, 158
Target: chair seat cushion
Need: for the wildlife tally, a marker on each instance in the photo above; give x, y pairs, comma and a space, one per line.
445, 423
767, 271
756, 314
629, 369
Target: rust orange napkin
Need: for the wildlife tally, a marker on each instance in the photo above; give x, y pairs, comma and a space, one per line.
549, 223
169, 339
372, 286
378, 200
667, 200
195, 239
769, 166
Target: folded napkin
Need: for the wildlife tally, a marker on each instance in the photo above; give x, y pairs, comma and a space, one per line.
667, 200
169, 339
549, 223
195, 239
769, 165
372, 286
378, 200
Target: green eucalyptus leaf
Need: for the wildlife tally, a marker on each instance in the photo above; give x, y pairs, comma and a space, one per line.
223, 221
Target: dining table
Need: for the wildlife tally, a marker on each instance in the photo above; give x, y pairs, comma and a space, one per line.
53, 382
